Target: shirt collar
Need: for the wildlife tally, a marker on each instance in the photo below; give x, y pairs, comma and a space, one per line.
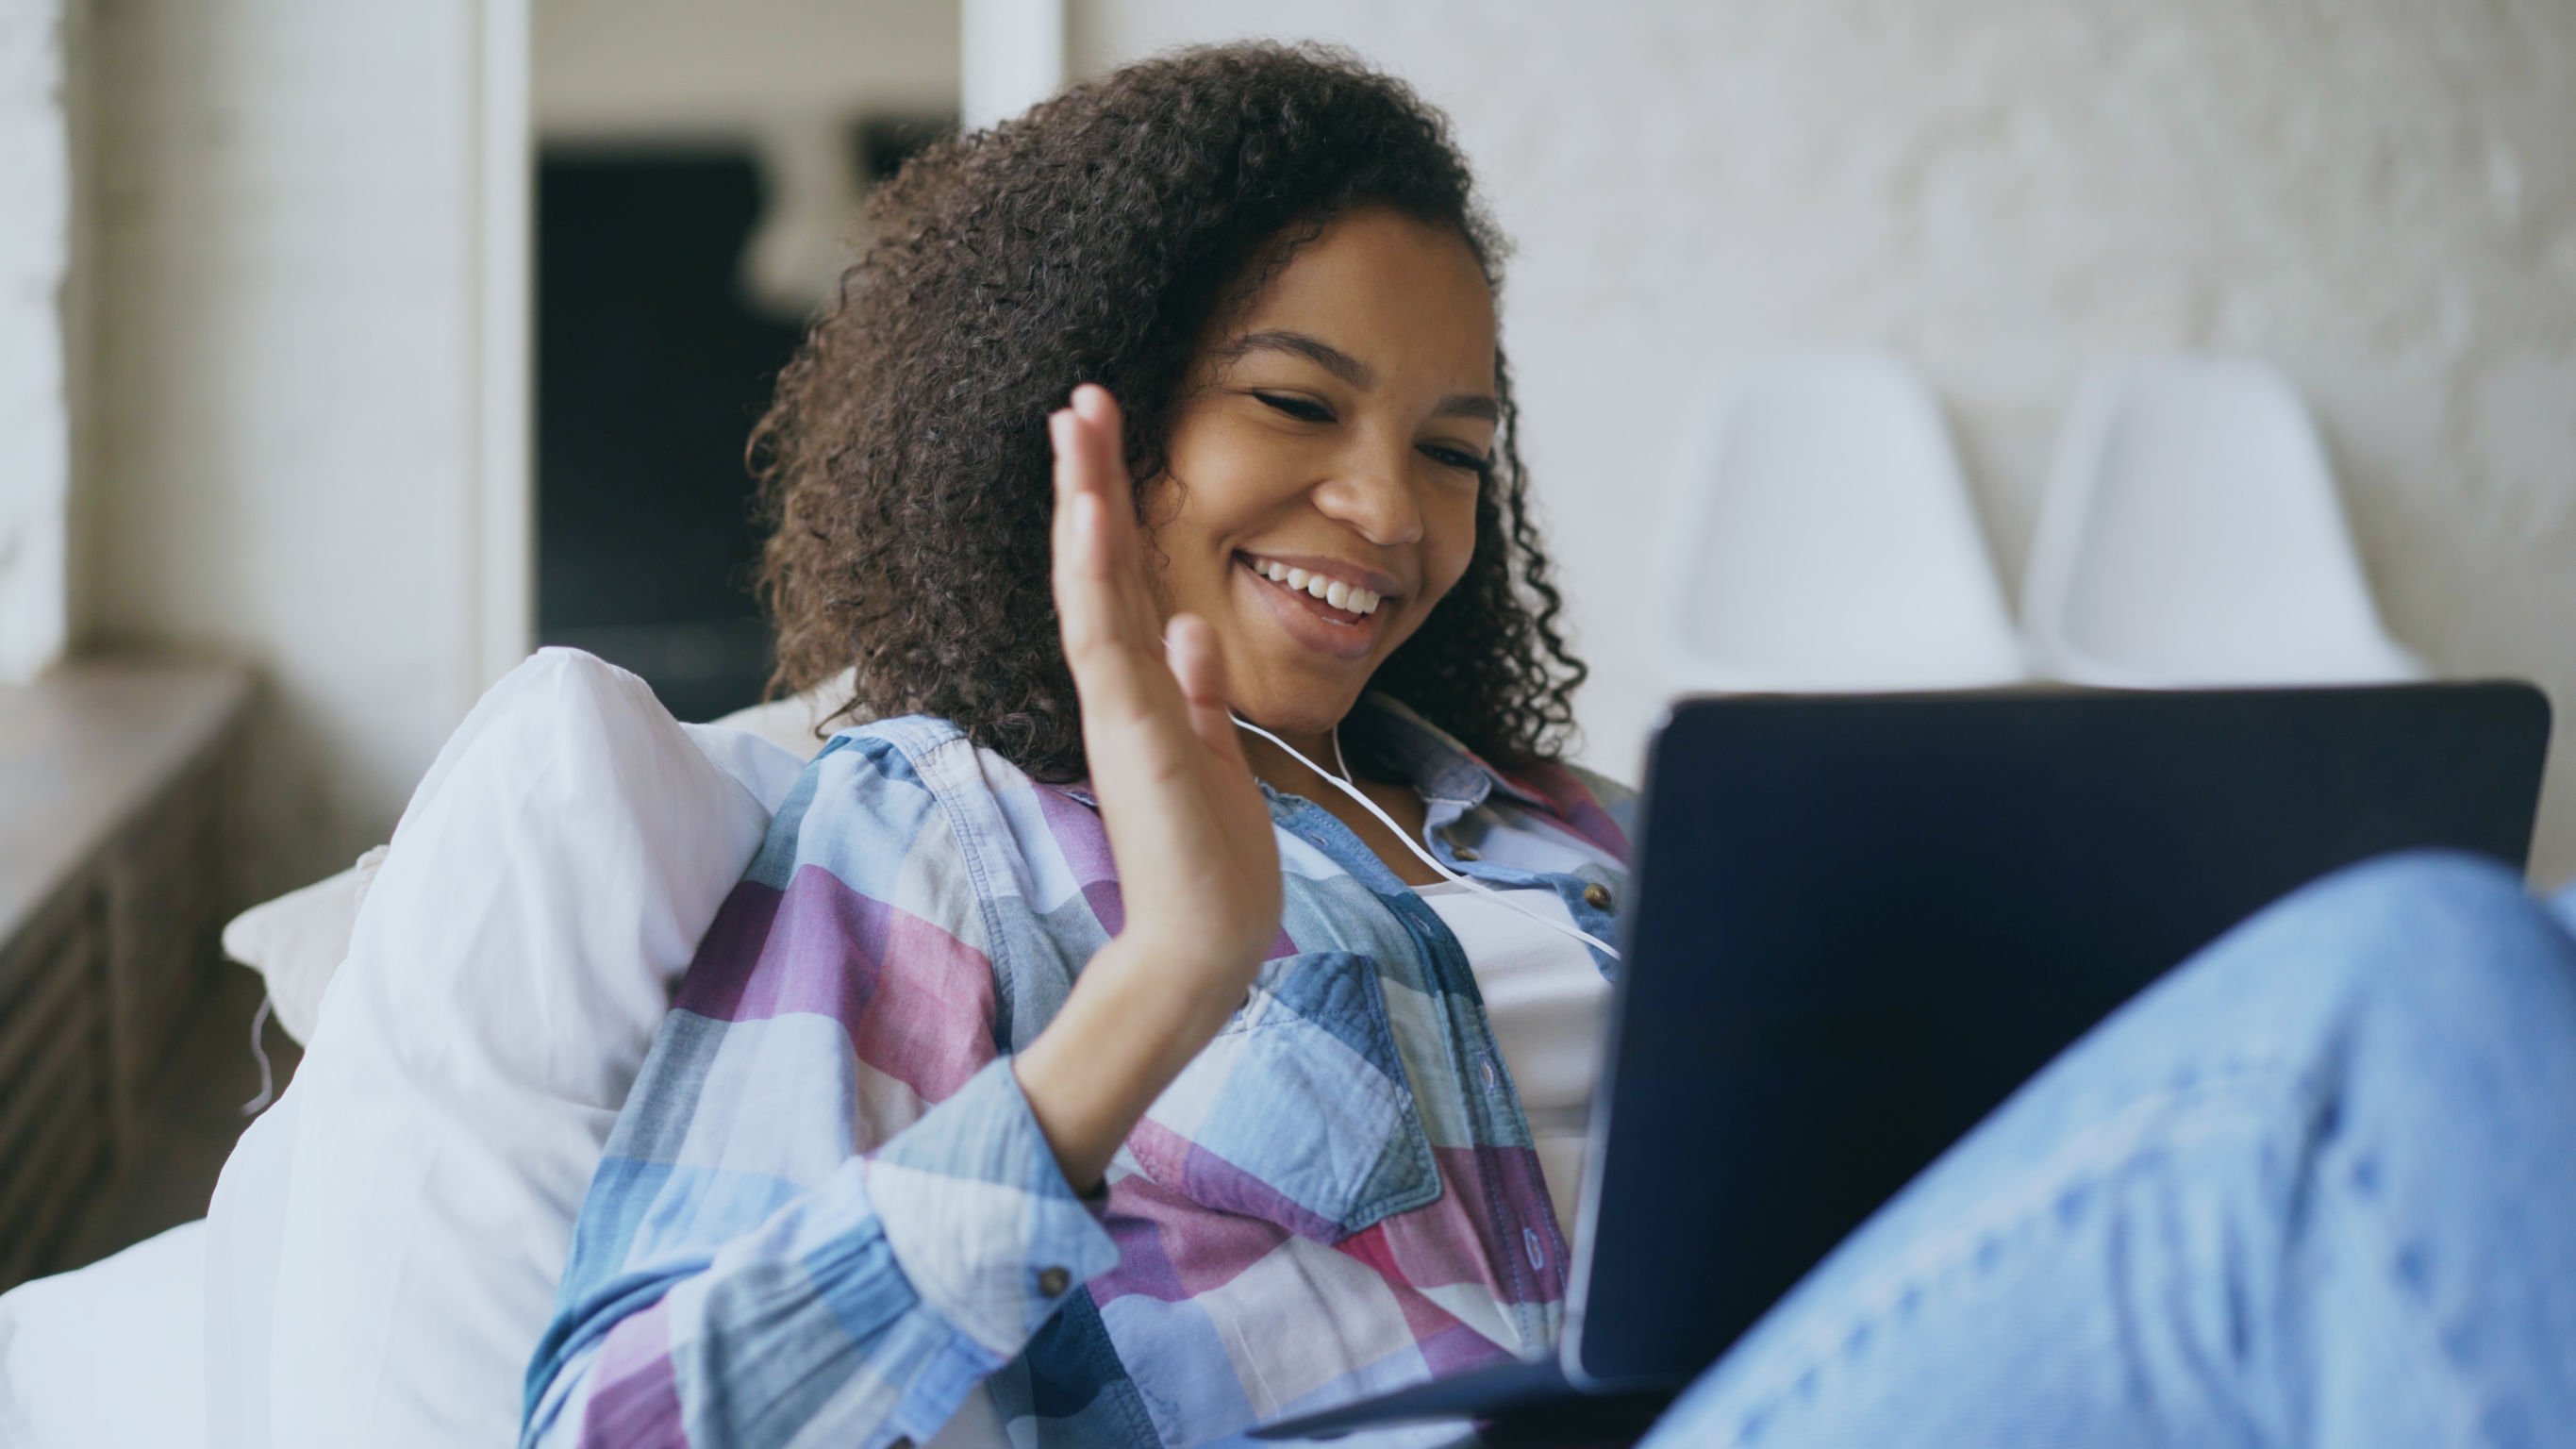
1436, 762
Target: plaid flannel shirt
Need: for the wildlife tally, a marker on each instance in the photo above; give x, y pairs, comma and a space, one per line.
826, 1213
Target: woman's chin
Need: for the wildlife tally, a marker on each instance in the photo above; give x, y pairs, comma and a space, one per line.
1296, 712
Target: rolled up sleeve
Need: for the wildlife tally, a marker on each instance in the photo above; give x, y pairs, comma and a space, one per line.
826, 1211
981, 1218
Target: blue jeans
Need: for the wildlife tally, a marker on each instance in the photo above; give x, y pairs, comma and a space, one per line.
2316, 1187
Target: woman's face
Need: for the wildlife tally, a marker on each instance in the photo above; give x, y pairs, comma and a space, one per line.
1341, 428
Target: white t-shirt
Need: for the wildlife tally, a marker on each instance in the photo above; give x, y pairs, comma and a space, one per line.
1545, 998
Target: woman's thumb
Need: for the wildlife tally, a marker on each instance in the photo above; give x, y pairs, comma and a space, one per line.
1189, 646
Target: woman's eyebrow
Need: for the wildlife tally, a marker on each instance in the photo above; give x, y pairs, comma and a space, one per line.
1349, 369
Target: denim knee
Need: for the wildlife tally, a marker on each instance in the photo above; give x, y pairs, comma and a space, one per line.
2420, 881
2440, 935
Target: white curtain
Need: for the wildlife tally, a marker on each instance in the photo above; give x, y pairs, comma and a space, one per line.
35, 253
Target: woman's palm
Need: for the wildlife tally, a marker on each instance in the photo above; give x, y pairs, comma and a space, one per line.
1198, 867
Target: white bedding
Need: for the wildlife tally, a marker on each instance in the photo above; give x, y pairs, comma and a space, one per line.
112, 1356
308, 1229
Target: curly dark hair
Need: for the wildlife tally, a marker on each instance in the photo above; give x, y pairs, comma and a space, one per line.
903, 465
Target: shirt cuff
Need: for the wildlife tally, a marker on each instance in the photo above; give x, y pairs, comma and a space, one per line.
980, 1216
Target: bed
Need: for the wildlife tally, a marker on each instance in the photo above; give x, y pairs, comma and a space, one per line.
111, 1356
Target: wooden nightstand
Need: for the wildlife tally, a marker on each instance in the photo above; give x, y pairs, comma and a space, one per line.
115, 784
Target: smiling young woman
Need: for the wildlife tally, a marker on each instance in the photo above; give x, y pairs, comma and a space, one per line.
1069, 1068
1321, 490
1162, 233
1075, 1056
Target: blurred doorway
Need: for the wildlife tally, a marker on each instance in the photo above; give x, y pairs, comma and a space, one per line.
699, 169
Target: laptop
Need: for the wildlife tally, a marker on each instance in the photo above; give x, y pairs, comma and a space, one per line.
1859, 922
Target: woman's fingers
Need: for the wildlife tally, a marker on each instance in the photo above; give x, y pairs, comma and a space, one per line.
1088, 461
1103, 433
1098, 626
1087, 467
1104, 448
1081, 572
1176, 794
1199, 668
1114, 635
1111, 626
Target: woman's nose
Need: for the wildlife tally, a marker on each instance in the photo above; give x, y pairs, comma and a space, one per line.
1373, 493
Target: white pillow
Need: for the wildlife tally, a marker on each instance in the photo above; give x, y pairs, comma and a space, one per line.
296, 941
385, 1244
111, 1356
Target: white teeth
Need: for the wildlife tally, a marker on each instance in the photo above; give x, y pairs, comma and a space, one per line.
1331, 590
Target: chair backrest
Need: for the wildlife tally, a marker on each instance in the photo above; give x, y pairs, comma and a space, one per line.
1824, 537
2191, 535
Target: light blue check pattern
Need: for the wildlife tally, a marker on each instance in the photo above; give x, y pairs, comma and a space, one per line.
826, 1214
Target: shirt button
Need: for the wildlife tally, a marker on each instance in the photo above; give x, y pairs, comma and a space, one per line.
1537, 1254
1485, 1065
1597, 896
1464, 853
1053, 1281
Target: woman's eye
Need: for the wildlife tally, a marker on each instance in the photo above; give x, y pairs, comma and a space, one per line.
1481, 467
1299, 408
1307, 410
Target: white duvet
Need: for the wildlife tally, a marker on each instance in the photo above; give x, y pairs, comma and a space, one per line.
112, 1356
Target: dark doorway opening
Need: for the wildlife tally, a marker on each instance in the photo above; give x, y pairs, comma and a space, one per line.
652, 365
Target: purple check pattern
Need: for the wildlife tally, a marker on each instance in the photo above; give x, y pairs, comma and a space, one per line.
827, 1215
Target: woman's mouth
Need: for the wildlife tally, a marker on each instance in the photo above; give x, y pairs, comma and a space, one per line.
1342, 632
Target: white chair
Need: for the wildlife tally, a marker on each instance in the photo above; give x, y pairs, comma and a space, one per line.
1824, 539
2190, 535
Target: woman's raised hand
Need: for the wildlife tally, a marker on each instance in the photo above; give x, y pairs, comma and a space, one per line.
1198, 868
1196, 862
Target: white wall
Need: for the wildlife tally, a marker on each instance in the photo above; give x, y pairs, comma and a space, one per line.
305, 445
2380, 198
281, 460
620, 71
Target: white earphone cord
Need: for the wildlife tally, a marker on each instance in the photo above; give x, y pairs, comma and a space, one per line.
1345, 785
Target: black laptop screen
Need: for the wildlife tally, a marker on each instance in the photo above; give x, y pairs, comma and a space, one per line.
1861, 922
